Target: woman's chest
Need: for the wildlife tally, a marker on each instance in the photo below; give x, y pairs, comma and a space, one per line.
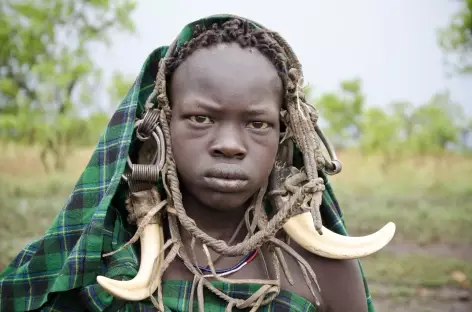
292, 279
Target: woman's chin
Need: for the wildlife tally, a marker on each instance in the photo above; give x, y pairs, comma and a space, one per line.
226, 201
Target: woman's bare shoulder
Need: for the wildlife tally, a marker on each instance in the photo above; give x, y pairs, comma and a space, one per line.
341, 284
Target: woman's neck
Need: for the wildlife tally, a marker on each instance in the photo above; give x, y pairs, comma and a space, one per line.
218, 224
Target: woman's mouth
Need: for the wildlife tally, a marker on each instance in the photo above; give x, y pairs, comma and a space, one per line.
226, 185
226, 179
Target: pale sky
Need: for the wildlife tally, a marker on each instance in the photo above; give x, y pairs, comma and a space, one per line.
390, 45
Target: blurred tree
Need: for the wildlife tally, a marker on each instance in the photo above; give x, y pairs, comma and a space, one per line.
343, 111
388, 131
404, 130
437, 125
47, 75
466, 136
404, 111
456, 38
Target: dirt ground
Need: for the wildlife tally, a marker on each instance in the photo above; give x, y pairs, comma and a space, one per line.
443, 299
388, 305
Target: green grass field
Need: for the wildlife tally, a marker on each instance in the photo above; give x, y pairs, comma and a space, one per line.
427, 267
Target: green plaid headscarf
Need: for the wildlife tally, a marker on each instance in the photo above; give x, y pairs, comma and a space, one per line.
58, 272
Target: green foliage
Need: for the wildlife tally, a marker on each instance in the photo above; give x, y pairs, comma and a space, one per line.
456, 39
342, 111
380, 134
437, 125
400, 130
47, 74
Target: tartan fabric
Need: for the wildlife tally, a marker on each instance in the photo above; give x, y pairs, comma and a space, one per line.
179, 294
58, 271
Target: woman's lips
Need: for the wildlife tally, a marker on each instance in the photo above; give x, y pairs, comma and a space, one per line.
226, 185
226, 178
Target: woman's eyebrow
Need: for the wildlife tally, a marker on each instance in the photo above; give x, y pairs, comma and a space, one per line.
259, 110
199, 103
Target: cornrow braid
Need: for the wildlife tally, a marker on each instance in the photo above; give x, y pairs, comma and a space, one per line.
233, 31
299, 120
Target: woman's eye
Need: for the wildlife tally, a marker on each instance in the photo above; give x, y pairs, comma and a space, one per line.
201, 119
258, 125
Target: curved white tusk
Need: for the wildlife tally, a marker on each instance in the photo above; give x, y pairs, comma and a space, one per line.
137, 288
332, 245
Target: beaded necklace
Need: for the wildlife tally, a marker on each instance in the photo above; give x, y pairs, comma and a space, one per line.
224, 272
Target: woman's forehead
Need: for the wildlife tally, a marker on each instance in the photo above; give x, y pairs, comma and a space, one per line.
226, 71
